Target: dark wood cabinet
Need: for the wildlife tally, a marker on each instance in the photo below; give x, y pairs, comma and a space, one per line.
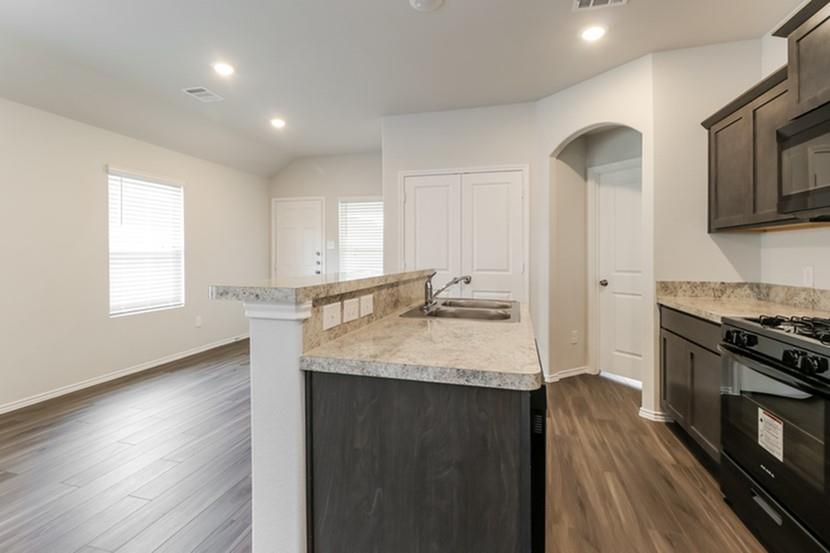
743, 158
808, 36
677, 376
691, 371
397, 466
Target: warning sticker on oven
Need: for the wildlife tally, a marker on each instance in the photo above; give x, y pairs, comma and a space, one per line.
771, 434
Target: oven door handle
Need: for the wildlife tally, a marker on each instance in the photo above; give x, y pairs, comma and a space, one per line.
767, 368
767, 508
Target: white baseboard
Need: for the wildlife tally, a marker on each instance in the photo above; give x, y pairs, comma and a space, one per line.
63, 390
567, 373
625, 381
656, 416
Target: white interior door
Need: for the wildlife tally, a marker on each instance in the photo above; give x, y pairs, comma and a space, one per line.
491, 234
620, 270
298, 238
432, 226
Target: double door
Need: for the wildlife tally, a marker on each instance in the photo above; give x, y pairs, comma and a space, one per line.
467, 223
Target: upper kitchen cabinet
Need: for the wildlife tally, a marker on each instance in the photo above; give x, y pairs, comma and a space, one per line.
743, 157
808, 36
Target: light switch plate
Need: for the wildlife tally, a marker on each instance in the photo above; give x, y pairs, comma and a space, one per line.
331, 315
367, 305
351, 309
330, 245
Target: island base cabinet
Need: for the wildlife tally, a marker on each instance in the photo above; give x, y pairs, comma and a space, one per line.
407, 467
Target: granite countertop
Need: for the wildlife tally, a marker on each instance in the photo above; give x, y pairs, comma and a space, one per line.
715, 309
472, 353
304, 289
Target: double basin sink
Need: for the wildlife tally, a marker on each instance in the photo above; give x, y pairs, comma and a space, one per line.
471, 309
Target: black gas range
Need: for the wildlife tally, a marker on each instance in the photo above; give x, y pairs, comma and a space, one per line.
775, 405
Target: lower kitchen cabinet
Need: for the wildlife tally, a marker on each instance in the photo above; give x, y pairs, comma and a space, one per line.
402, 466
691, 377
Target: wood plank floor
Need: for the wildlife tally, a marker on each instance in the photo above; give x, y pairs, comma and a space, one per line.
618, 483
160, 462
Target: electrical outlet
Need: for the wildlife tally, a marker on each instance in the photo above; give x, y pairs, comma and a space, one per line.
331, 315
574, 336
351, 310
198, 321
808, 276
330, 245
367, 305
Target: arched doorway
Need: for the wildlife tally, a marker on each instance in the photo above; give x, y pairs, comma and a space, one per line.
598, 278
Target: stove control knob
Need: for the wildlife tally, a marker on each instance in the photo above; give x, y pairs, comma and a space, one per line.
808, 364
792, 358
823, 365
748, 340
732, 336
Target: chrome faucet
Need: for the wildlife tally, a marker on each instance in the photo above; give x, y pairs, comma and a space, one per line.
430, 295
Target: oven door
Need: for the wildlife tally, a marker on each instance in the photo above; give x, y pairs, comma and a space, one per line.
774, 426
804, 185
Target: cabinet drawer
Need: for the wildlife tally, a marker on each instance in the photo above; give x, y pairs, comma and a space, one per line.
702, 333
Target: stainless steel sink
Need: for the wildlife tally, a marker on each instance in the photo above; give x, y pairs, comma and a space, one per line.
479, 304
455, 309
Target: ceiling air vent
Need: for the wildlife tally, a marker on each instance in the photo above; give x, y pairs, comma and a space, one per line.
203, 94
580, 5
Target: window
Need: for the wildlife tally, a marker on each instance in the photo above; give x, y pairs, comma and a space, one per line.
146, 244
361, 235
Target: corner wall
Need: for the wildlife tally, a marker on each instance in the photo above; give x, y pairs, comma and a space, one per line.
55, 329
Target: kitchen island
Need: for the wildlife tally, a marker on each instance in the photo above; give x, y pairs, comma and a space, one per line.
391, 433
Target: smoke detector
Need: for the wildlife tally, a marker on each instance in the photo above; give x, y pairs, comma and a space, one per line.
203, 94
582, 5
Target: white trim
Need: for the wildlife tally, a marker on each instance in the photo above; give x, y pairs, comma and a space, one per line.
357, 199
624, 380
64, 390
278, 311
567, 373
593, 252
323, 251
656, 416
523, 168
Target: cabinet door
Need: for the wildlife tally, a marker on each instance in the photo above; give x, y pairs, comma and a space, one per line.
809, 63
769, 113
730, 171
704, 420
677, 378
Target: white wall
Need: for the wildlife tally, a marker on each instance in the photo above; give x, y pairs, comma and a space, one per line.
331, 177
55, 330
683, 248
613, 145
499, 135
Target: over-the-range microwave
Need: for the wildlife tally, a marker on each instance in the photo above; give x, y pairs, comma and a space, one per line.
804, 155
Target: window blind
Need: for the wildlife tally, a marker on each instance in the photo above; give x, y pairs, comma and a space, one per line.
361, 235
146, 245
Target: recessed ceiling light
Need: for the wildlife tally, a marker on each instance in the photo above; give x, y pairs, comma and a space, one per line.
593, 34
426, 5
224, 69
278, 123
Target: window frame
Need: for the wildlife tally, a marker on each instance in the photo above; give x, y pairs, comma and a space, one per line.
157, 180
360, 199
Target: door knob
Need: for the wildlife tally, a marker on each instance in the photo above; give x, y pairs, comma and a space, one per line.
603, 283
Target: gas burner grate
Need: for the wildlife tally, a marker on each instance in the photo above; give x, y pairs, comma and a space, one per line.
811, 327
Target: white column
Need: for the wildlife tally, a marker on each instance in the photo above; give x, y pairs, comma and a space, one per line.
278, 427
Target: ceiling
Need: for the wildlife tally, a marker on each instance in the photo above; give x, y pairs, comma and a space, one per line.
331, 68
